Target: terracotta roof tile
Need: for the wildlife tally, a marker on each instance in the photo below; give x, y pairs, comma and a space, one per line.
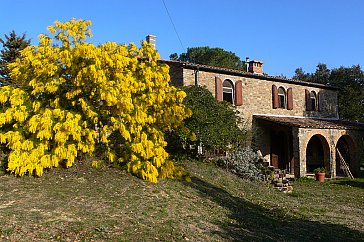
245, 73
316, 123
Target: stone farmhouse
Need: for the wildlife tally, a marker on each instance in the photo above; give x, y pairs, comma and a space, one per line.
296, 124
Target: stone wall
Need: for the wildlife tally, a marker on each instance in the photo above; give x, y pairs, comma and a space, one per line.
300, 138
329, 139
176, 74
257, 95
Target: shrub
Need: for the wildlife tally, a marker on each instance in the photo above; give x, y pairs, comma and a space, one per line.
214, 125
304, 179
77, 98
243, 162
319, 170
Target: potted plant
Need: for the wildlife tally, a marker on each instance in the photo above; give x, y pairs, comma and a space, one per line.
320, 174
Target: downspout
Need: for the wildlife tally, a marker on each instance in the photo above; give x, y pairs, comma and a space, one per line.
247, 63
197, 80
197, 77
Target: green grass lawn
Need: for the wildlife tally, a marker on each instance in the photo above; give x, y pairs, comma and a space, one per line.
87, 204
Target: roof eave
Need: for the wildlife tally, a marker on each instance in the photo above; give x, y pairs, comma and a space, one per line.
246, 74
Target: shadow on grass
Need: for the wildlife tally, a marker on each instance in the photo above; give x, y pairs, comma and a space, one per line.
255, 223
353, 183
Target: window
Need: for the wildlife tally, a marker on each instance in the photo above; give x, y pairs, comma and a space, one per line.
281, 98
313, 101
228, 91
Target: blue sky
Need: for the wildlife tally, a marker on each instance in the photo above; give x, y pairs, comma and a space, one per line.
284, 34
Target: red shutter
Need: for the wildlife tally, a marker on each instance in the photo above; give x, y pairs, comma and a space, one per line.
238, 93
289, 99
308, 100
275, 96
218, 89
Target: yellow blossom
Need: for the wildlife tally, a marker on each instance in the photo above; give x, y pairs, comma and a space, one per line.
78, 98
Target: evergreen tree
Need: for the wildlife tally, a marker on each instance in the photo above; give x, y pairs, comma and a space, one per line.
211, 56
215, 125
12, 44
300, 75
321, 75
350, 80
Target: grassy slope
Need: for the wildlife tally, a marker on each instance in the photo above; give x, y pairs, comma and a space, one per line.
85, 204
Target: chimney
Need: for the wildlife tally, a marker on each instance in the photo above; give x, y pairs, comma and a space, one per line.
151, 39
255, 66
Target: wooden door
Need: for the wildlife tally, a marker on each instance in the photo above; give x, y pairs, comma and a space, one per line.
274, 160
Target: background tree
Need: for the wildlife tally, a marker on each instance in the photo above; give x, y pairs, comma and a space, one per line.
350, 80
173, 56
300, 75
12, 44
211, 56
321, 74
213, 124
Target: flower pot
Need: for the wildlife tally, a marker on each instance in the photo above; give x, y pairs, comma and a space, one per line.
320, 177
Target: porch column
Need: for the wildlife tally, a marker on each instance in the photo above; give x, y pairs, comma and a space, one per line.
332, 156
299, 165
333, 161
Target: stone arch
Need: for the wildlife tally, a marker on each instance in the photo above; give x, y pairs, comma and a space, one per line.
348, 148
317, 153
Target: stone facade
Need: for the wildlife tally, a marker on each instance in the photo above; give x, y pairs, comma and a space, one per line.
257, 92
258, 98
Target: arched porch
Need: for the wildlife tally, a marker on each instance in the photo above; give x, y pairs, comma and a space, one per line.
348, 150
317, 153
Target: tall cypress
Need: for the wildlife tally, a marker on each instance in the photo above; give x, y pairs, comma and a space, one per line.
12, 44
